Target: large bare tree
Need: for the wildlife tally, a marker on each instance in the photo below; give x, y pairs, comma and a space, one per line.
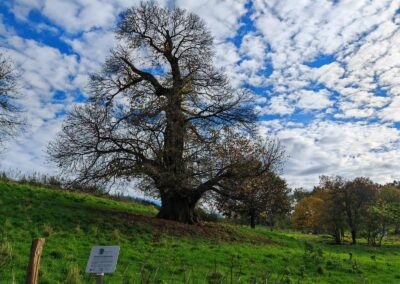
9, 112
161, 111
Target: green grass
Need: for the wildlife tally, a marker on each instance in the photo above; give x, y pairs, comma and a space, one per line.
155, 251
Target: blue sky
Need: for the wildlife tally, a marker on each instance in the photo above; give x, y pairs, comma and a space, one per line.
326, 74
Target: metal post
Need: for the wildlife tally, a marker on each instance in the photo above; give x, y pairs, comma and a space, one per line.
100, 278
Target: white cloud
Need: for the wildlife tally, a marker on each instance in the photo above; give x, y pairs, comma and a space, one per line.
83, 15
392, 111
44, 71
75, 15
221, 16
28, 153
331, 148
361, 35
253, 46
93, 46
313, 100
278, 105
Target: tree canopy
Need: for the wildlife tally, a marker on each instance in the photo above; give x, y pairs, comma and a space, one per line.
263, 196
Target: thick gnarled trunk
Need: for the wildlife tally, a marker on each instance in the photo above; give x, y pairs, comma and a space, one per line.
180, 209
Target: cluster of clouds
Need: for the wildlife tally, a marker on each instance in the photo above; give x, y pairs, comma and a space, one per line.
326, 73
349, 149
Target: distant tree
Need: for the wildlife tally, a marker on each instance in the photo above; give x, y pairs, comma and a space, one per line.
10, 118
278, 199
264, 195
244, 202
396, 184
362, 206
385, 212
358, 196
300, 193
162, 112
307, 214
331, 190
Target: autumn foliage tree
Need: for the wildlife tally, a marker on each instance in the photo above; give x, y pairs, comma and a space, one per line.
334, 205
359, 208
307, 215
358, 196
263, 196
161, 111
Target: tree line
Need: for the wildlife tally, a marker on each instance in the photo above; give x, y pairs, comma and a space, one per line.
359, 207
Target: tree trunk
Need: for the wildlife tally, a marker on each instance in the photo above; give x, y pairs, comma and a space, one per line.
272, 223
397, 229
337, 236
252, 220
178, 209
383, 232
353, 236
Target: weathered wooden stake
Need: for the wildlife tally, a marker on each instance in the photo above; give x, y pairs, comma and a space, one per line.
100, 278
34, 261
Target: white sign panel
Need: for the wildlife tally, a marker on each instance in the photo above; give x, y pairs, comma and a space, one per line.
103, 259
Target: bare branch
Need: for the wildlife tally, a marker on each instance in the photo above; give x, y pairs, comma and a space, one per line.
10, 118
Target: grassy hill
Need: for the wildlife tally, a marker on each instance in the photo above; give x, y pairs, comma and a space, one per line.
155, 251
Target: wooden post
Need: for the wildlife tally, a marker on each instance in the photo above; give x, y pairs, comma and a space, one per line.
100, 278
34, 261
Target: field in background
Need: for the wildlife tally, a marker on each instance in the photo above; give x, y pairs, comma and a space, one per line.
156, 251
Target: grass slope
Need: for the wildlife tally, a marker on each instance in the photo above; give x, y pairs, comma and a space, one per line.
155, 251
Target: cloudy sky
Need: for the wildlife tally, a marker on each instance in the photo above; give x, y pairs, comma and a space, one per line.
327, 74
